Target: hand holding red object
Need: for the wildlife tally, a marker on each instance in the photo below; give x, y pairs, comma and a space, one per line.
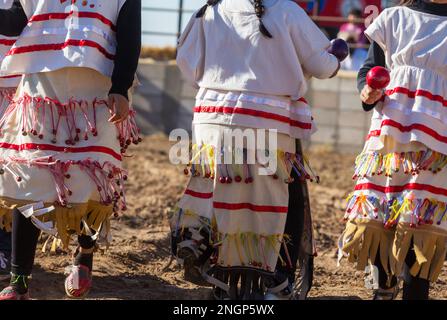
378, 78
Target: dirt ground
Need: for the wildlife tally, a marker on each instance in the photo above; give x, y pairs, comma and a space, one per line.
134, 267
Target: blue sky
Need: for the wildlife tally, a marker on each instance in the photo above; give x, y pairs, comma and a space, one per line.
165, 21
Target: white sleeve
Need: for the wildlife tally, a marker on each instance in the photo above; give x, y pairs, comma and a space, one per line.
376, 31
29, 7
311, 45
191, 51
121, 4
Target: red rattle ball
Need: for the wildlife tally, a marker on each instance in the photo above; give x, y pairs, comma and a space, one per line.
340, 49
378, 78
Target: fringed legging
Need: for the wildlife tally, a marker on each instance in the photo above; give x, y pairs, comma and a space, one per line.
24, 241
414, 288
294, 228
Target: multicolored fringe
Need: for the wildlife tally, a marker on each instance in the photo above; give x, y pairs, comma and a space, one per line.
34, 112
374, 163
251, 248
422, 211
207, 162
108, 178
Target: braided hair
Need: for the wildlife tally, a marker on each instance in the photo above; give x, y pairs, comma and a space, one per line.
406, 2
259, 10
209, 3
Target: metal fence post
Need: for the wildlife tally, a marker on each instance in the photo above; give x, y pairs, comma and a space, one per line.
180, 18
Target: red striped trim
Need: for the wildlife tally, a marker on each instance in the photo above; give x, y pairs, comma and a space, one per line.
402, 128
253, 113
398, 189
7, 42
65, 15
374, 133
417, 93
61, 46
249, 206
11, 77
49, 147
201, 195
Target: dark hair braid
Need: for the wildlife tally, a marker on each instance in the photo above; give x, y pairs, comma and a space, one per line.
209, 3
406, 2
260, 10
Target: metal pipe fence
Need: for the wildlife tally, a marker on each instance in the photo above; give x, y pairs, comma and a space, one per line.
180, 10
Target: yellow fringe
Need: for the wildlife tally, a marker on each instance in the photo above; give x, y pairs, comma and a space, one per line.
429, 244
67, 220
362, 239
251, 248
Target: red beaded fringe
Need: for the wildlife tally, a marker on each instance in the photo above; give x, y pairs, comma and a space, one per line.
7, 93
34, 111
108, 178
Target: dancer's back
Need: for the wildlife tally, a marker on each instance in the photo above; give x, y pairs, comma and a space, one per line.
235, 55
